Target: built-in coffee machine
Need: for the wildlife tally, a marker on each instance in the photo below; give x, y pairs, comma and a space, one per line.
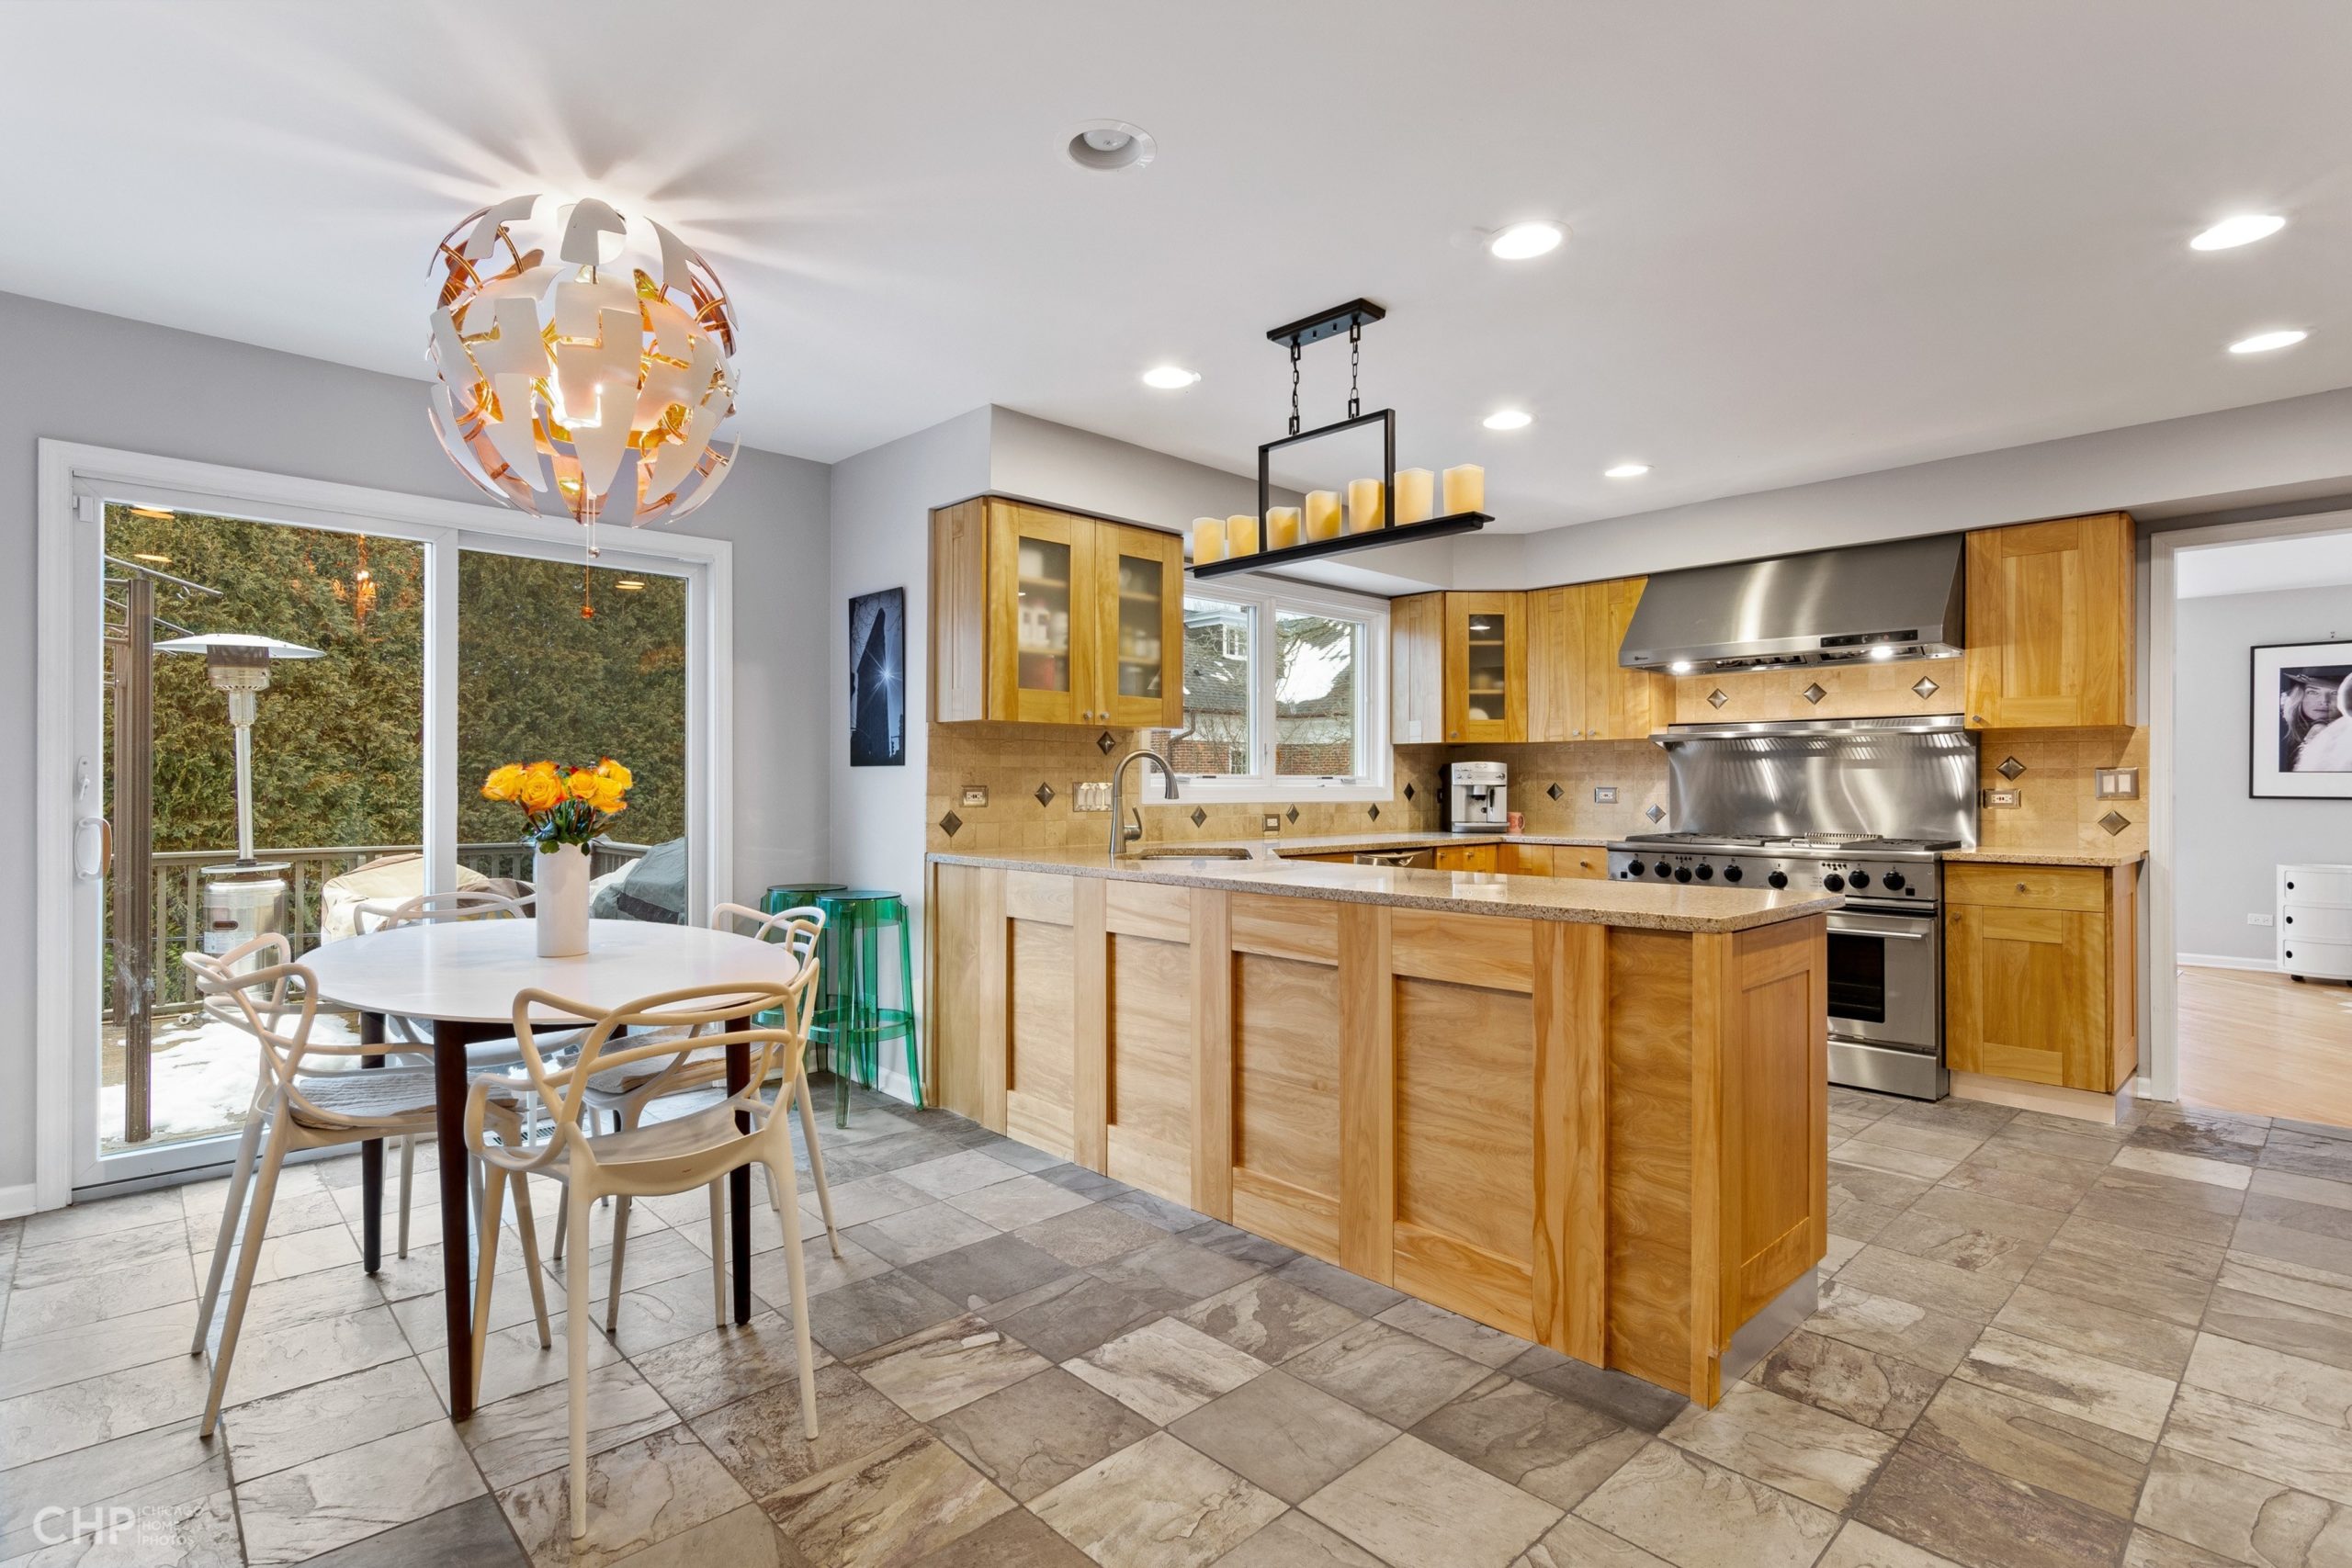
1476, 797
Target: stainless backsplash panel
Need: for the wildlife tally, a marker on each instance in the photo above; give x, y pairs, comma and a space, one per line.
1895, 778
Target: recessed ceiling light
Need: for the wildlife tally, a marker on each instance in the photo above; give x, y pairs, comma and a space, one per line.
1169, 378
1520, 242
1626, 471
156, 511
1510, 419
151, 557
1107, 146
2263, 343
2242, 230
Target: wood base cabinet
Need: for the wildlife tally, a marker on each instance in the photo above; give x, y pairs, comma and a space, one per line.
2038, 974
1609, 1141
1041, 617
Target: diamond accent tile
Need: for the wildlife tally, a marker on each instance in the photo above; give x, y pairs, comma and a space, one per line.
1374, 812
2114, 822
1045, 795
1408, 792
1199, 816
1654, 812
1718, 697
1925, 688
1106, 743
1814, 694
949, 823
1291, 815
2010, 768
1556, 792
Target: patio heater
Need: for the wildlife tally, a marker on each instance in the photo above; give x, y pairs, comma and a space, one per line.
247, 897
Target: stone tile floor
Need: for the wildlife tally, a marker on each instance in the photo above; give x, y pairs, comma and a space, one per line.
2040, 1343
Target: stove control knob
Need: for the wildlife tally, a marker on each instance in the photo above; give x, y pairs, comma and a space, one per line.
1664, 870
1682, 873
1733, 873
1706, 873
1861, 879
1892, 882
1634, 868
1779, 879
1834, 883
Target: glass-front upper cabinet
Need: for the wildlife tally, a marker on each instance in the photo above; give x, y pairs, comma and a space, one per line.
1038, 602
1140, 617
1485, 667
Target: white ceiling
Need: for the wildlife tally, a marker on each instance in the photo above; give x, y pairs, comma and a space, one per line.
2266, 566
1810, 238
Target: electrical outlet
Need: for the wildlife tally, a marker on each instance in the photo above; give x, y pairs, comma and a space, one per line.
1604, 794
2261, 920
976, 794
1273, 823
2003, 799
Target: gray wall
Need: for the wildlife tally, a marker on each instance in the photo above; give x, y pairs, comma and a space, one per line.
2229, 842
112, 382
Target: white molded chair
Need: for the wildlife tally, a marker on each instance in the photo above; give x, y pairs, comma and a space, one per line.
623, 1092
699, 1149
277, 1003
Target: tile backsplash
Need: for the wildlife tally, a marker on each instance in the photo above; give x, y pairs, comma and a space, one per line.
1031, 772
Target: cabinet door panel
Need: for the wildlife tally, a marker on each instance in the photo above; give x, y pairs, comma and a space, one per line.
1485, 667
1138, 646
1417, 669
1039, 630
1556, 684
2025, 994
2049, 638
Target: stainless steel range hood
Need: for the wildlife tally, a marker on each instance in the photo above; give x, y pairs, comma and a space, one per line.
1827, 607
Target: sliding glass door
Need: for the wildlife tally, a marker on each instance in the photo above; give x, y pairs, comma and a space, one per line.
405, 658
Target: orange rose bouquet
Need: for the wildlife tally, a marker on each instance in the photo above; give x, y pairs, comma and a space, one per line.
562, 803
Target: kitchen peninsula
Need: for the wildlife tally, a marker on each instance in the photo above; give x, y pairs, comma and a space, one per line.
1590, 1113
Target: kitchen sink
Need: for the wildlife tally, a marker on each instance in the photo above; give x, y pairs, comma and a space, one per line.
1195, 854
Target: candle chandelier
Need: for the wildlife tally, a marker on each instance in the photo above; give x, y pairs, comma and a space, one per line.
585, 362
1385, 510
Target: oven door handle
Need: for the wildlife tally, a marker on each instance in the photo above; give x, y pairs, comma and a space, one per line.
1889, 936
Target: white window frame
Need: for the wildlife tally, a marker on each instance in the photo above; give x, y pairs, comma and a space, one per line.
1268, 598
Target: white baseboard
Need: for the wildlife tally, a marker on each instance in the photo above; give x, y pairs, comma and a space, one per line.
2225, 961
16, 1201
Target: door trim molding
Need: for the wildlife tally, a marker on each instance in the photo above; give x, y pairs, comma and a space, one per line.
67, 472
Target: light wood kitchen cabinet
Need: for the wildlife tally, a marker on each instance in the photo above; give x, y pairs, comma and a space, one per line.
1577, 690
1486, 667
2050, 636
1417, 669
2039, 982
1470, 857
1555, 860
1041, 617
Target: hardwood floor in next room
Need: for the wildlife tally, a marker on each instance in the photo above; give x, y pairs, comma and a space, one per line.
2262, 1046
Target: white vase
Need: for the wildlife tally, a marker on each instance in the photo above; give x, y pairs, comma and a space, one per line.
560, 906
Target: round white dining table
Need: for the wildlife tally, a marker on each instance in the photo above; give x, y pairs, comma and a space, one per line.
462, 976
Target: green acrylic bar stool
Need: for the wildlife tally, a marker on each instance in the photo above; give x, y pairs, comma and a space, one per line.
853, 1020
803, 896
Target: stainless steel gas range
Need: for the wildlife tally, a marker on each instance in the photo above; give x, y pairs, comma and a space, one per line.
1857, 807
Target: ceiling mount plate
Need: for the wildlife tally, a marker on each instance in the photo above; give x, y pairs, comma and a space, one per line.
1328, 323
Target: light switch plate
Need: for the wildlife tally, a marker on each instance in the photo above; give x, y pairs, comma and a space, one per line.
2003, 799
1092, 795
1273, 823
1604, 794
975, 794
2116, 783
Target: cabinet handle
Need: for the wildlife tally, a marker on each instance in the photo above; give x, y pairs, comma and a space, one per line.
2020, 887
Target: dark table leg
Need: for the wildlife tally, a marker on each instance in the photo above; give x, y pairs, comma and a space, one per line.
449, 1042
371, 1161
738, 1181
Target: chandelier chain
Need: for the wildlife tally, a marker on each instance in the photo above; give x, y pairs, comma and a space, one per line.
1356, 360
1293, 385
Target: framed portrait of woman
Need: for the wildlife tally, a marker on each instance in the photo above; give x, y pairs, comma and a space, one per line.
2302, 721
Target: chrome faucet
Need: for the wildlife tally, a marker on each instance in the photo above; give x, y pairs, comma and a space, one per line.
1122, 835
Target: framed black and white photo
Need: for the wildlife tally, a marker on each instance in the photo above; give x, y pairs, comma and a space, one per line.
878, 680
2302, 721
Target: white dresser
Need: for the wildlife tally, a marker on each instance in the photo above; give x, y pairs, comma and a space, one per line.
2316, 921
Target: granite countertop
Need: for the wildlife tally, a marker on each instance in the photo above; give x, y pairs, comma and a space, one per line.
2109, 858
1640, 906
1338, 844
